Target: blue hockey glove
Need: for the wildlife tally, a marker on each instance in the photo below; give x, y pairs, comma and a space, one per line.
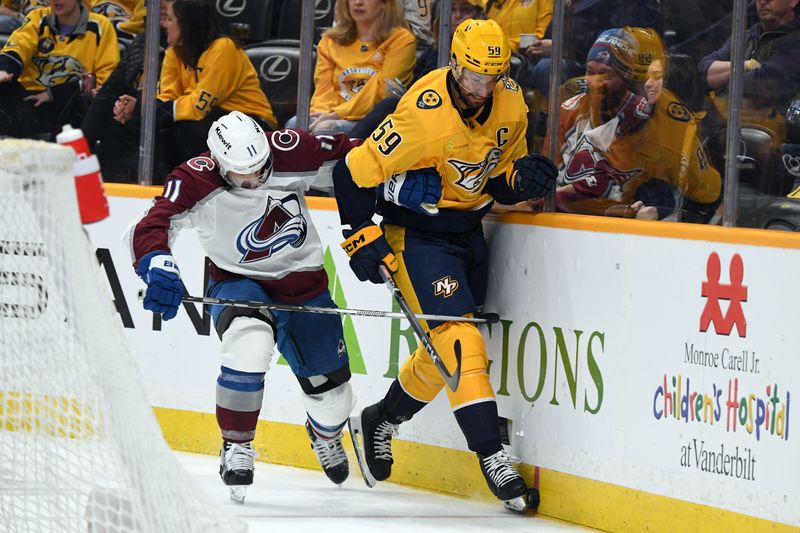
164, 286
368, 249
534, 176
419, 190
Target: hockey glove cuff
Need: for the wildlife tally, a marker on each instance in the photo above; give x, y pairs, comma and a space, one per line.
368, 249
534, 176
164, 286
418, 190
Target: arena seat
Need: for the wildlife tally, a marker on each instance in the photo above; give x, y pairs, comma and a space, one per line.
246, 21
286, 17
517, 62
277, 64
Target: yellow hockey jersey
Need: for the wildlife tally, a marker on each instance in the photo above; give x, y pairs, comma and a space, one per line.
609, 168
520, 16
127, 16
427, 130
352, 79
224, 78
42, 58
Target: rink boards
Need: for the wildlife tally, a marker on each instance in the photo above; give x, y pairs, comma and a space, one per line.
648, 371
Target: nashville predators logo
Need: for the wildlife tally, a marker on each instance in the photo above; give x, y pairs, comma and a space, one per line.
353, 79
55, 70
445, 286
112, 12
429, 99
471, 176
281, 225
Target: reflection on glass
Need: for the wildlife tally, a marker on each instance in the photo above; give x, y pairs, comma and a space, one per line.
629, 145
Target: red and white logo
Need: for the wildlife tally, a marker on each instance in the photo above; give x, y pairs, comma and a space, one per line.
734, 292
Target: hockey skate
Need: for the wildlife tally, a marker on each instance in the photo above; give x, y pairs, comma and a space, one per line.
331, 455
372, 439
505, 482
236, 468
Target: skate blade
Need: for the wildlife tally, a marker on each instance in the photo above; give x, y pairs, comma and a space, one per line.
518, 504
521, 503
238, 493
356, 435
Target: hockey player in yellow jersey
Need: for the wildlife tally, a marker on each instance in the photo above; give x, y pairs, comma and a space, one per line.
455, 144
629, 146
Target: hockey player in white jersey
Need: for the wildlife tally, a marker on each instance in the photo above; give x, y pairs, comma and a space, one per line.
245, 199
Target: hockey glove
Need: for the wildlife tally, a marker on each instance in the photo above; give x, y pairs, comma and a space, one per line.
164, 286
534, 176
368, 249
633, 114
418, 190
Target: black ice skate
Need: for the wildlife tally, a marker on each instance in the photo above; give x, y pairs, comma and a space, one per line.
505, 482
331, 455
374, 447
236, 468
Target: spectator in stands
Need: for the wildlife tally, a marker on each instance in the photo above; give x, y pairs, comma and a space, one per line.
418, 17
13, 12
461, 10
629, 147
116, 144
366, 55
49, 68
11, 16
203, 77
585, 20
772, 49
518, 17
127, 16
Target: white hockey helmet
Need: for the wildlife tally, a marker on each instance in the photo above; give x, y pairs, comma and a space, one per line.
238, 144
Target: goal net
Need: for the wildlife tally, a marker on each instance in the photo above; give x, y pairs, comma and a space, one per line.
80, 448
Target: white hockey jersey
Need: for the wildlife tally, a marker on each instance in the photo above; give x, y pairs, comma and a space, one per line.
263, 234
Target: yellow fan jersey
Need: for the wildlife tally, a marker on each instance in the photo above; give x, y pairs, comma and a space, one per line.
42, 58
352, 79
127, 16
224, 78
614, 166
521, 16
427, 130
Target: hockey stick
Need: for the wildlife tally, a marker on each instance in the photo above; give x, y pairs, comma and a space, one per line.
488, 318
450, 379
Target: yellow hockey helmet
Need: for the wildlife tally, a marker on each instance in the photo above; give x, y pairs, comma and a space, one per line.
651, 48
481, 46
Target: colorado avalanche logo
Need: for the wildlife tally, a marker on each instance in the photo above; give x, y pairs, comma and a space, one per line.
587, 163
471, 176
281, 225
